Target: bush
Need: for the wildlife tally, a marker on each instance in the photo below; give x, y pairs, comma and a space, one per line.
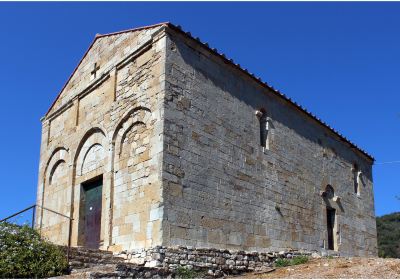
186, 273
299, 260
23, 254
288, 262
282, 262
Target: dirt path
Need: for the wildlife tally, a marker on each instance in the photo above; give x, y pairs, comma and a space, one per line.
336, 268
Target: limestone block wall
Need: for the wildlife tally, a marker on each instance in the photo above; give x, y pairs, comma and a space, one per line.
218, 262
222, 189
108, 124
172, 130
57, 181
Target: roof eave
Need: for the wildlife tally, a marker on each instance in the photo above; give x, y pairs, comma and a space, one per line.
265, 84
228, 61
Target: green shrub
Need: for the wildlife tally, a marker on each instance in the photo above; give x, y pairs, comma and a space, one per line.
299, 260
186, 273
280, 262
23, 254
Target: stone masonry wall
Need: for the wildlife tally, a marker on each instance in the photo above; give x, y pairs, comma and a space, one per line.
172, 130
108, 124
217, 262
223, 190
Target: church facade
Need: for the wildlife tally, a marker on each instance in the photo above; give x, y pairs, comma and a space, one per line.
157, 139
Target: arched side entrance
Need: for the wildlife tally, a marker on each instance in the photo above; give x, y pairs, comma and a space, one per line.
331, 221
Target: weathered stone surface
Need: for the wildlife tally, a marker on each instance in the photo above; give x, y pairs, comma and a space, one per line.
174, 131
238, 194
107, 125
210, 258
89, 263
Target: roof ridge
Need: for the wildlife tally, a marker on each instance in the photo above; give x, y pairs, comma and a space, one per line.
133, 29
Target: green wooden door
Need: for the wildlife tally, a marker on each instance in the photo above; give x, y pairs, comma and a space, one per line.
92, 213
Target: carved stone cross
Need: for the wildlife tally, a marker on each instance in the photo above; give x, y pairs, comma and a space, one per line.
94, 71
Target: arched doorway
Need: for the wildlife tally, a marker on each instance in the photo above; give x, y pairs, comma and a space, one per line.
330, 226
331, 219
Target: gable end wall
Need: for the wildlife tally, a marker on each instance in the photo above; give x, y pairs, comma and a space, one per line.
109, 126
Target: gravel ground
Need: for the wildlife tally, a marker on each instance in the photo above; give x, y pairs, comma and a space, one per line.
336, 268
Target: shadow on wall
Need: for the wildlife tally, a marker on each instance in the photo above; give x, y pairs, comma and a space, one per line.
245, 89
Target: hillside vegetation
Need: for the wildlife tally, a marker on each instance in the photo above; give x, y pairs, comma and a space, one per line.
388, 227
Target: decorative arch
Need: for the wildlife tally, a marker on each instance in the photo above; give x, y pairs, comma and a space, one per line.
59, 159
94, 143
86, 136
138, 116
55, 170
59, 154
119, 144
93, 158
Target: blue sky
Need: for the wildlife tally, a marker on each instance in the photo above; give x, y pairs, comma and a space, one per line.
339, 60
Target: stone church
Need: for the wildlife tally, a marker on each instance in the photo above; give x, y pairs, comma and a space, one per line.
156, 139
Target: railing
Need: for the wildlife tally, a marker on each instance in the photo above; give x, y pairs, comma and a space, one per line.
33, 207
33, 217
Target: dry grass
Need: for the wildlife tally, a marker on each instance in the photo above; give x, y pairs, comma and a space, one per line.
336, 268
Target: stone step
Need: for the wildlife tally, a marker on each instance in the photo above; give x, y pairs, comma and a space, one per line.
85, 273
85, 258
96, 257
80, 264
118, 271
74, 252
85, 250
89, 263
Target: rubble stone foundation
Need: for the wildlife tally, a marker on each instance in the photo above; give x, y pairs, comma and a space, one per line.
216, 261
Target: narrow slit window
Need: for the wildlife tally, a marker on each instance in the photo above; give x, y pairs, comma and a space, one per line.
356, 179
264, 128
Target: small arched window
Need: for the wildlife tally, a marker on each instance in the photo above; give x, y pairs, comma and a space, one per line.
264, 128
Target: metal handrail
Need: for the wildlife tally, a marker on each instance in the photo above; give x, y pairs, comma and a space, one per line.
33, 221
22, 211
55, 212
